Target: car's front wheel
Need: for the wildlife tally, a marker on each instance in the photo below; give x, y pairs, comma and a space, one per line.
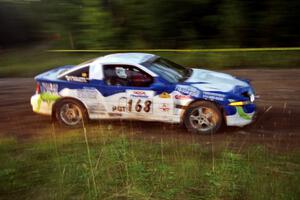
70, 113
203, 117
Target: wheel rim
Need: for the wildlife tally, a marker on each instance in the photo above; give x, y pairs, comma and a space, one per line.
203, 119
70, 114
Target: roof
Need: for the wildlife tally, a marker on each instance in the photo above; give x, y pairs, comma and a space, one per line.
120, 58
135, 58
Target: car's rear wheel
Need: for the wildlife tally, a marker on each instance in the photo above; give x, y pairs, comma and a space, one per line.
203, 117
70, 113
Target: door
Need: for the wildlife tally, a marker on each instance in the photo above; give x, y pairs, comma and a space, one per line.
128, 92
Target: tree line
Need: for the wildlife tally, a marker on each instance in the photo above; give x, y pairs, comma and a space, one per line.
94, 24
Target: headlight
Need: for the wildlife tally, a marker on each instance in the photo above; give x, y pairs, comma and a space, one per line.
252, 97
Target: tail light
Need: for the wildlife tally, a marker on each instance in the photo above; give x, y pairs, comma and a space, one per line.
38, 88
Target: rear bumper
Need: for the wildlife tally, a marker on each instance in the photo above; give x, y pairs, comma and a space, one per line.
41, 106
240, 115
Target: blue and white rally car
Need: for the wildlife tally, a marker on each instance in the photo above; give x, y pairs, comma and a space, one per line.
139, 86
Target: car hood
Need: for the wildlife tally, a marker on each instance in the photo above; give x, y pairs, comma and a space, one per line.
207, 80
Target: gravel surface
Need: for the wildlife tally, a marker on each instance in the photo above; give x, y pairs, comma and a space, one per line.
277, 125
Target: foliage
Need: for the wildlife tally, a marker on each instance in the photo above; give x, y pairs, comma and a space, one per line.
91, 24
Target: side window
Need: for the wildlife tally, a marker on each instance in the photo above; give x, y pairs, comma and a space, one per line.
80, 75
125, 75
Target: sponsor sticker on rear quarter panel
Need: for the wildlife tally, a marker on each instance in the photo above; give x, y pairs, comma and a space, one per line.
49, 87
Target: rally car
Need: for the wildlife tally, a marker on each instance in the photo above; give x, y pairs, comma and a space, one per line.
140, 86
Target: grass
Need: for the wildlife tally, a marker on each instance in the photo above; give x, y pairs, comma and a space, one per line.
29, 61
103, 163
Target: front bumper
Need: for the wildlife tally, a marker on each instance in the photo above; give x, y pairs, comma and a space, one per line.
240, 115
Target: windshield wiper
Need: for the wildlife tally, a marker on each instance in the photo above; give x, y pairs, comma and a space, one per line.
187, 74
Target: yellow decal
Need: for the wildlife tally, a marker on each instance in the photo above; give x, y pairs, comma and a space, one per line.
165, 95
179, 50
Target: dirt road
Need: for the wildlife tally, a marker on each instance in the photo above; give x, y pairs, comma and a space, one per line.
278, 120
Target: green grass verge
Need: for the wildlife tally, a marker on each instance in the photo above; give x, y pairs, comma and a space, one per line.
101, 164
33, 60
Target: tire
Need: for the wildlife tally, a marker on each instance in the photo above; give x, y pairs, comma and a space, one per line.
203, 117
70, 113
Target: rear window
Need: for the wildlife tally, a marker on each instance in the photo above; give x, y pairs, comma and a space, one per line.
80, 75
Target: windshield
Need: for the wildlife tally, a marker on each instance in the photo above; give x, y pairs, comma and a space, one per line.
169, 70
